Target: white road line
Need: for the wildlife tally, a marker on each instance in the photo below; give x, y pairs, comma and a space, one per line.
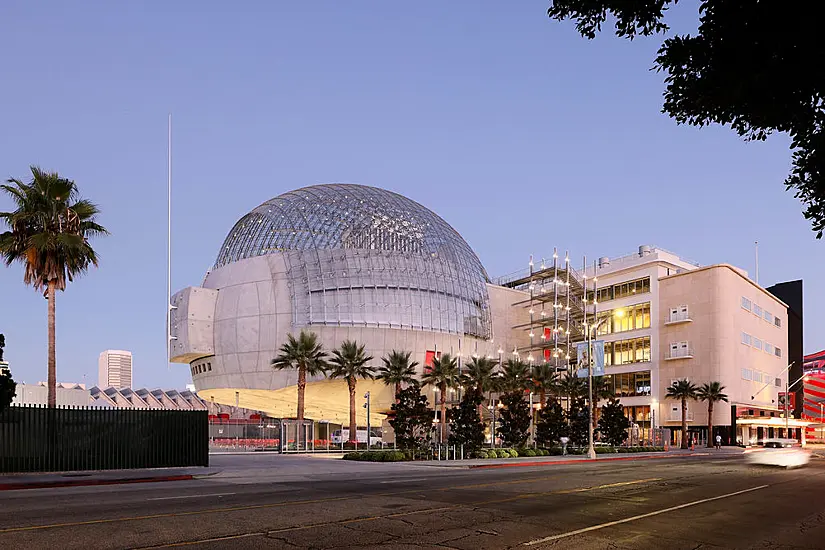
640, 516
404, 480
192, 496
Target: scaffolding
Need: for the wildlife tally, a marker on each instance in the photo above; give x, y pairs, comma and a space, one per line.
558, 309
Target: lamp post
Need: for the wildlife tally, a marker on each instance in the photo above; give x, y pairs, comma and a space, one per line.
492, 426
591, 450
366, 406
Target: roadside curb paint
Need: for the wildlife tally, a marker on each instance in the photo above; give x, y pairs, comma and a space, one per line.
90, 482
579, 461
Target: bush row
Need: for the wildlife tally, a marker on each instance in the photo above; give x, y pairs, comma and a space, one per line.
557, 451
378, 456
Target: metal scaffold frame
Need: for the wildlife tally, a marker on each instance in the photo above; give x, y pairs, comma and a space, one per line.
559, 293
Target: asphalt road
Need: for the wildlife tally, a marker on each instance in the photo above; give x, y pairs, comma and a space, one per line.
295, 502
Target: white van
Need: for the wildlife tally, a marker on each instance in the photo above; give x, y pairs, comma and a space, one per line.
342, 436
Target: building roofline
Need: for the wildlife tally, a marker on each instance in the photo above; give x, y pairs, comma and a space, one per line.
734, 270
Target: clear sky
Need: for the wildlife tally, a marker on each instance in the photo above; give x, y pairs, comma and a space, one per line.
517, 131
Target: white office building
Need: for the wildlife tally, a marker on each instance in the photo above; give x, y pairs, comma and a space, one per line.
115, 369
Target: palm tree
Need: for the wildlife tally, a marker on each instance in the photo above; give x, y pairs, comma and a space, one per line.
49, 233
711, 393
397, 370
571, 387
479, 378
442, 375
515, 376
350, 363
480, 375
682, 390
544, 378
307, 356
601, 390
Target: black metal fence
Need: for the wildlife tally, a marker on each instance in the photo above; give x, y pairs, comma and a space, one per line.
41, 439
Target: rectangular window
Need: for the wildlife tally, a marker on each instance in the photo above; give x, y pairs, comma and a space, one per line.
757, 376
769, 348
747, 374
777, 321
746, 304
746, 339
768, 316
757, 310
757, 343
777, 382
777, 352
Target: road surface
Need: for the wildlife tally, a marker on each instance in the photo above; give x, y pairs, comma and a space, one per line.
270, 501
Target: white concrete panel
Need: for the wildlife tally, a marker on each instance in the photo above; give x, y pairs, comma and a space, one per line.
248, 300
229, 364
248, 330
227, 303
266, 297
268, 333
225, 337
281, 295
248, 362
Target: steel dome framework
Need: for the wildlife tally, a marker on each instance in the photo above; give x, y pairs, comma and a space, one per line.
359, 255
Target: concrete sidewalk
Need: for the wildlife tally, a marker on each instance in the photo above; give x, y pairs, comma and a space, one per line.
12, 482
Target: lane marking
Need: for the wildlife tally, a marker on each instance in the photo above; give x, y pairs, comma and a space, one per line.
192, 496
403, 480
640, 516
607, 486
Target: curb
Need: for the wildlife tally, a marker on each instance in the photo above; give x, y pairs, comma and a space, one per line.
580, 461
93, 482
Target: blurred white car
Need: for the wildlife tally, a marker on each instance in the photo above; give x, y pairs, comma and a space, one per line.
785, 453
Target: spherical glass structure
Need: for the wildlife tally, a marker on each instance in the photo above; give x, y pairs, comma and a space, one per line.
359, 255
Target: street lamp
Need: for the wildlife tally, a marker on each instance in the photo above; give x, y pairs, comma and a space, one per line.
366, 406
591, 331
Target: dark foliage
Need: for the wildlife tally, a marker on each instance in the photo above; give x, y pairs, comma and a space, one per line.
579, 419
613, 424
551, 424
515, 419
751, 66
466, 427
413, 420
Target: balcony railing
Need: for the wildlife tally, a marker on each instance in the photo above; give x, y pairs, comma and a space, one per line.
680, 353
677, 319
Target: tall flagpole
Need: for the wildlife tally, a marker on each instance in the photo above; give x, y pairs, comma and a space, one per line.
169, 306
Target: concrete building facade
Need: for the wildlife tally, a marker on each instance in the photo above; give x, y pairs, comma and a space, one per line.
115, 369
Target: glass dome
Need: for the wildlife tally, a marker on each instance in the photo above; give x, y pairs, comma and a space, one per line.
358, 248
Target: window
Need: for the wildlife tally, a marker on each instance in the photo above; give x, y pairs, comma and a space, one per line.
757, 310
777, 321
209, 366
621, 290
768, 316
679, 349
777, 352
777, 382
757, 343
746, 304
622, 352
747, 374
757, 376
769, 348
746, 339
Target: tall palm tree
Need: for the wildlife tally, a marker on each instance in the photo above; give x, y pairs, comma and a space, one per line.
601, 390
480, 377
397, 370
571, 387
350, 362
544, 378
306, 355
682, 390
711, 393
515, 376
49, 233
442, 375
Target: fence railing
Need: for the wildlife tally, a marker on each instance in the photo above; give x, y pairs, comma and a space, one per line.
42, 439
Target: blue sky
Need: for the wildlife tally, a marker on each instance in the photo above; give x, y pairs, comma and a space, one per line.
475, 109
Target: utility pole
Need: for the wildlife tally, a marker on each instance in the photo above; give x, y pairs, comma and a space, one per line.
366, 406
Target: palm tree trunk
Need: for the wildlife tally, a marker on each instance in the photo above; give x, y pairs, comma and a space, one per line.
353, 423
710, 424
684, 424
543, 397
443, 392
397, 390
302, 385
52, 360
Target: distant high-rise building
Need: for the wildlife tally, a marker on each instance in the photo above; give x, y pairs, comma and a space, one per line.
115, 369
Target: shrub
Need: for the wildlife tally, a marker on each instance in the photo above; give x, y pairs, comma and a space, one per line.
503, 453
513, 453
556, 451
604, 450
480, 454
528, 452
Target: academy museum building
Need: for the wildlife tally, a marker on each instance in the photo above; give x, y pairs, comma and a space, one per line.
345, 262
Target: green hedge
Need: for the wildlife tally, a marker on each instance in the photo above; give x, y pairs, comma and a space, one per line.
378, 456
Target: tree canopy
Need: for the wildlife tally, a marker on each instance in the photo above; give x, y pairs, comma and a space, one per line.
751, 65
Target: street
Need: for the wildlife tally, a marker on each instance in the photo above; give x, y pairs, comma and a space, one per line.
272, 501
